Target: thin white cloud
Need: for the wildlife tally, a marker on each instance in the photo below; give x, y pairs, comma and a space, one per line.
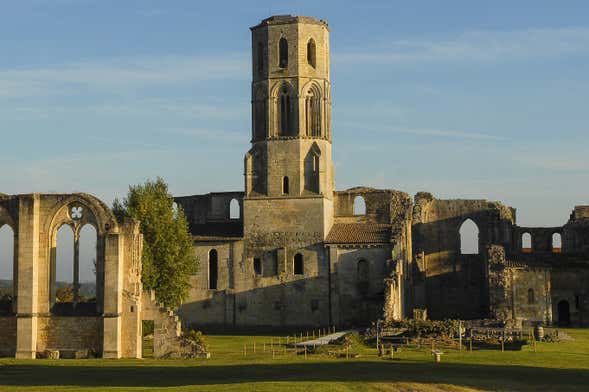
476, 46
441, 133
118, 74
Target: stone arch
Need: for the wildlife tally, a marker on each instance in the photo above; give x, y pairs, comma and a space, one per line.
359, 205
77, 211
469, 237
313, 109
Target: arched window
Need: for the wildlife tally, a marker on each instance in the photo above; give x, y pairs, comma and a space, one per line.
313, 113
260, 113
556, 243
284, 111
359, 206
526, 242
285, 186
260, 52
283, 53
6, 269
87, 265
362, 271
213, 269
64, 265
234, 210
298, 264
469, 238
311, 59
531, 298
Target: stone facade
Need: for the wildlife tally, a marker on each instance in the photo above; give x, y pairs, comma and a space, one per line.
298, 254
37, 321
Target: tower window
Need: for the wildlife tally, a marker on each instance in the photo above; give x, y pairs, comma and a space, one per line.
298, 265
531, 296
313, 113
311, 59
285, 190
260, 58
283, 53
556, 243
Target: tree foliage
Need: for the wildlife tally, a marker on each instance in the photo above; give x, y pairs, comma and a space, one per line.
168, 256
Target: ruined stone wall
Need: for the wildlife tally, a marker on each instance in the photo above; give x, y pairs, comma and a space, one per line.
7, 336
358, 299
200, 209
456, 284
69, 333
571, 284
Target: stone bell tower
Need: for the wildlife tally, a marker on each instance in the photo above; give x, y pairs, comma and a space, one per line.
290, 159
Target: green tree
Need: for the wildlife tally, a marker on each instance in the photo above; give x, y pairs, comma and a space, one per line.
168, 256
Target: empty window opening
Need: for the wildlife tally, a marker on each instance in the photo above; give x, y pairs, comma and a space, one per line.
213, 269
234, 209
87, 269
147, 329
285, 186
257, 266
531, 297
526, 243
298, 267
175, 208
359, 206
6, 269
64, 265
311, 59
469, 238
556, 243
260, 51
283, 53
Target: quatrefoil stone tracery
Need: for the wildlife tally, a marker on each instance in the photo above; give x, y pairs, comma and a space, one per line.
76, 212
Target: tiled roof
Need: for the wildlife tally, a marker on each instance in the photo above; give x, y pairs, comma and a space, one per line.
359, 233
217, 230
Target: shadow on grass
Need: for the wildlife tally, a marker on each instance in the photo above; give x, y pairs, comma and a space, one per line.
129, 375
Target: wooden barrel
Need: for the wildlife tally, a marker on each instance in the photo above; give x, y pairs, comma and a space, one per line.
538, 332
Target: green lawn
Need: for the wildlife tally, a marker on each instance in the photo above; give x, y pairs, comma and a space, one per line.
555, 366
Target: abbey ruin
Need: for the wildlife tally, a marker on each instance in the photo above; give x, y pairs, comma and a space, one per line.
290, 250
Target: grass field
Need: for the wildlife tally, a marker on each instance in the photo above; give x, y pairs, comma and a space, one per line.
555, 366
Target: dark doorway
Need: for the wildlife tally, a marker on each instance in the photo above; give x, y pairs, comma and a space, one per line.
147, 327
564, 314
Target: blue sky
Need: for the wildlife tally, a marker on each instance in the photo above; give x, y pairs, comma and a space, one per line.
459, 98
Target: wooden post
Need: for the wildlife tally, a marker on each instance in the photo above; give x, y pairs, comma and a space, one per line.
254, 347
347, 352
460, 334
245, 350
264, 346
313, 334
305, 351
470, 344
502, 344
273, 355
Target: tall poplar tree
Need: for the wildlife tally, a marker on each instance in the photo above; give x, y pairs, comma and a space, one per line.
168, 255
